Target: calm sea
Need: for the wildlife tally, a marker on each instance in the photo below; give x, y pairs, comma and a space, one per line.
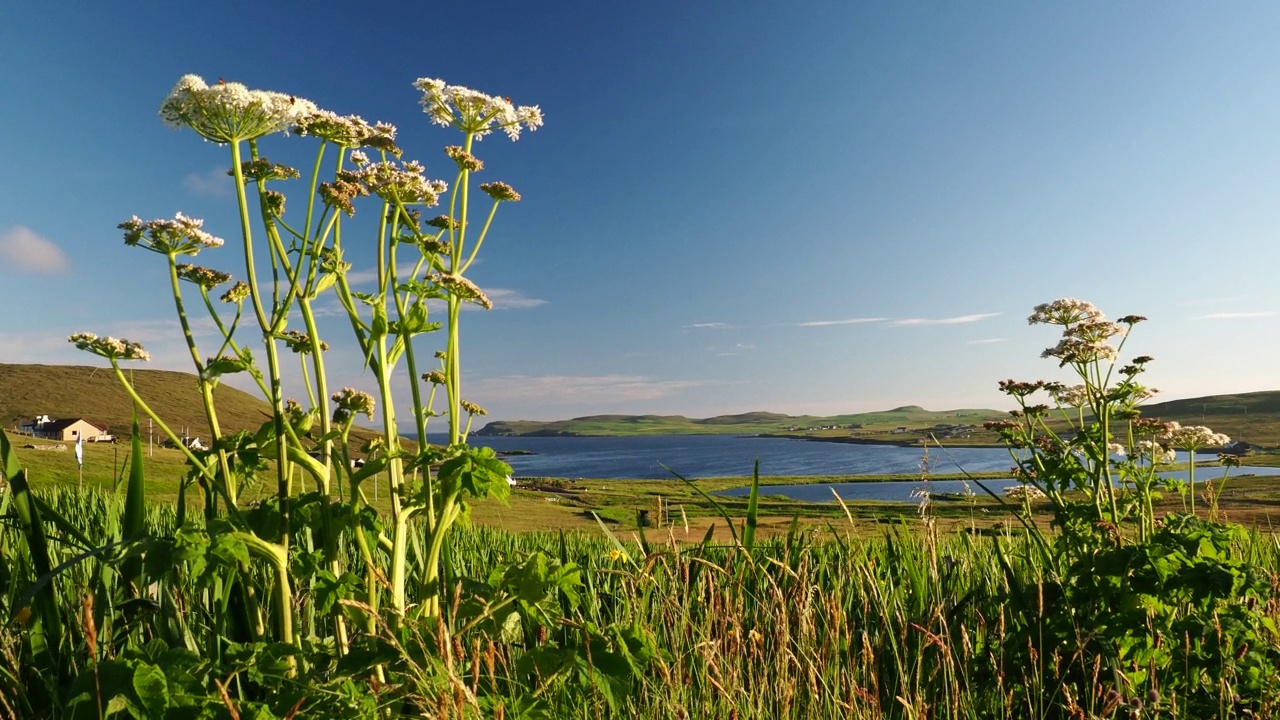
700, 456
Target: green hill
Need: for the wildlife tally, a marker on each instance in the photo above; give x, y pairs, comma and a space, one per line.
752, 423
65, 391
1251, 417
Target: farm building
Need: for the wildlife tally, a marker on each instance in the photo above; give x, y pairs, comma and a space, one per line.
66, 430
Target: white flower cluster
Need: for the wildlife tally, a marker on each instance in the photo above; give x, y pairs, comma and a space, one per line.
180, 236
1154, 451
1192, 437
350, 131
474, 112
1024, 492
109, 347
1076, 350
229, 112
1064, 311
405, 184
1071, 396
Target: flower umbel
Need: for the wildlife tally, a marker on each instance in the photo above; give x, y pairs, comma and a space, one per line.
180, 236
207, 278
500, 191
230, 112
109, 347
352, 402
473, 112
237, 294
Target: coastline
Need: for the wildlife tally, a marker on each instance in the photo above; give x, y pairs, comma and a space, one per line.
874, 441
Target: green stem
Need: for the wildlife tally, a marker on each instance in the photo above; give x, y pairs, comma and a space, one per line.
206, 389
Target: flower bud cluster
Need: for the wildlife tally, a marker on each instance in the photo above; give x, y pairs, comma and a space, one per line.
109, 347
207, 278
500, 191
461, 287
352, 402
237, 294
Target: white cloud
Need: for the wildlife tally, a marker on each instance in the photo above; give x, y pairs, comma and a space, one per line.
708, 326
215, 183
361, 277
986, 341
502, 298
574, 389
958, 320
849, 321
506, 299
24, 250
1238, 315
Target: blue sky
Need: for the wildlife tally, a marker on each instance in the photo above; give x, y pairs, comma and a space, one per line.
733, 206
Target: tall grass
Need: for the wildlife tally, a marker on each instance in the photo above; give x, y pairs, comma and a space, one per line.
910, 624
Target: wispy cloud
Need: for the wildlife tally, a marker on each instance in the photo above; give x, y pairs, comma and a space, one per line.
1237, 315
708, 326
737, 349
847, 321
507, 299
574, 389
213, 183
985, 341
957, 320
362, 277
22, 249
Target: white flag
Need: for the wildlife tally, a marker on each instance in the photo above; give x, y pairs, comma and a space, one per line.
80, 449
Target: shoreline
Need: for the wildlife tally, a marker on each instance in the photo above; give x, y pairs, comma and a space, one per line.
874, 441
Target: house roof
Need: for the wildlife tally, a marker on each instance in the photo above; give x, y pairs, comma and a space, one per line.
64, 423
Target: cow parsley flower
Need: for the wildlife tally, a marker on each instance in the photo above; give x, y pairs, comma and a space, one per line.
473, 112
462, 288
180, 236
230, 112
352, 402
237, 294
207, 278
500, 191
1071, 396
349, 131
109, 347
404, 184
1192, 437
1064, 311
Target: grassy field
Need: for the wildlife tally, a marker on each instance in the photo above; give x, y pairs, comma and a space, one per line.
674, 508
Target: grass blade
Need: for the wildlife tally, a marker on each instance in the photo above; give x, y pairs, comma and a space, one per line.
753, 510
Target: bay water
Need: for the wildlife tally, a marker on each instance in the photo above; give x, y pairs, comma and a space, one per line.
703, 456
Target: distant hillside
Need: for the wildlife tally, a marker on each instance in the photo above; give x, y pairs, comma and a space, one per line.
1252, 417
64, 391
744, 424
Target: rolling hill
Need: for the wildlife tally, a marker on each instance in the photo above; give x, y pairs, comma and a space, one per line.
752, 423
63, 391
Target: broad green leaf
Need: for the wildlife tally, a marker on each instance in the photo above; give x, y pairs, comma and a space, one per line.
152, 689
